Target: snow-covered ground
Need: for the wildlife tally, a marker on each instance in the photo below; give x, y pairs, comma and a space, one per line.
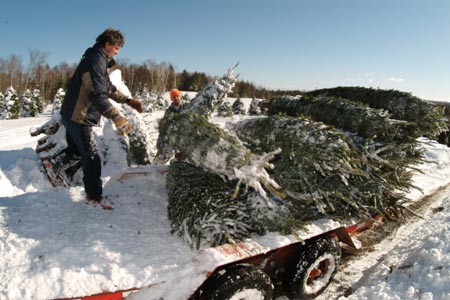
53, 245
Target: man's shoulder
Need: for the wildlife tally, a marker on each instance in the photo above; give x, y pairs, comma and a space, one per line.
94, 54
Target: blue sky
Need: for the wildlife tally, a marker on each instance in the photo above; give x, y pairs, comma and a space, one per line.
285, 44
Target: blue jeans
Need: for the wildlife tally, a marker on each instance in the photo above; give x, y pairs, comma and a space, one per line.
80, 140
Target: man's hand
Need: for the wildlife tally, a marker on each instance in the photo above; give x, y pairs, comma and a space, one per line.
122, 124
136, 104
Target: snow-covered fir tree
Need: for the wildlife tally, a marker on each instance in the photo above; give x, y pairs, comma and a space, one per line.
3, 108
57, 100
212, 148
145, 97
224, 110
29, 108
254, 109
152, 102
220, 164
206, 102
37, 100
12, 104
160, 103
140, 148
424, 117
238, 107
204, 211
186, 98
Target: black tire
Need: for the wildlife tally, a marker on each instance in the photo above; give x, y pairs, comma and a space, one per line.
313, 269
240, 282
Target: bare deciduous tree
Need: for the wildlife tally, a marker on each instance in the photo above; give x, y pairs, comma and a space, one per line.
37, 59
3, 76
14, 70
159, 75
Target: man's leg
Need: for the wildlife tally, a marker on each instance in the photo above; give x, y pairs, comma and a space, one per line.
71, 159
83, 139
92, 167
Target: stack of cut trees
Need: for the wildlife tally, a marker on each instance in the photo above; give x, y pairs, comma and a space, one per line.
341, 153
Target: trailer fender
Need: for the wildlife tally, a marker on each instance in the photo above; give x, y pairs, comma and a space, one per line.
343, 236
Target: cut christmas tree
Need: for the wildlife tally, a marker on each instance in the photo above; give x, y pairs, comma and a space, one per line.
426, 118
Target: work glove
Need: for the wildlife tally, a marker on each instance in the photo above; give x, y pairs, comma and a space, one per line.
122, 124
136, 104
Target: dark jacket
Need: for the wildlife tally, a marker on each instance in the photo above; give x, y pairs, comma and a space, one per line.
86, 98
173, 109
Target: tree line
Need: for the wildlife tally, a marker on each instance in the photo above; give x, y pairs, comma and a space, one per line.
156, 77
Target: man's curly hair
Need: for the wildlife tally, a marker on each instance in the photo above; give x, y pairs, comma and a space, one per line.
112, 36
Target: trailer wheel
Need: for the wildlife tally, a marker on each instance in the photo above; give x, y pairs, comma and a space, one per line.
240, 282
313, 269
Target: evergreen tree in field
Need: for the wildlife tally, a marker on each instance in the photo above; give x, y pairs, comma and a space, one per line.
146, 99
254, 109
38, 101
160, 103
186, 98
238, 107
224, 110
28, 106
3, 108
12, 104
57, 100
171, 78
151, 101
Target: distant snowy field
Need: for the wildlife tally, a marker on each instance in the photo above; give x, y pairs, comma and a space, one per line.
53, 245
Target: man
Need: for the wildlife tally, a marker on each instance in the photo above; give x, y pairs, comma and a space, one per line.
86, 100
163, 153
176, 98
